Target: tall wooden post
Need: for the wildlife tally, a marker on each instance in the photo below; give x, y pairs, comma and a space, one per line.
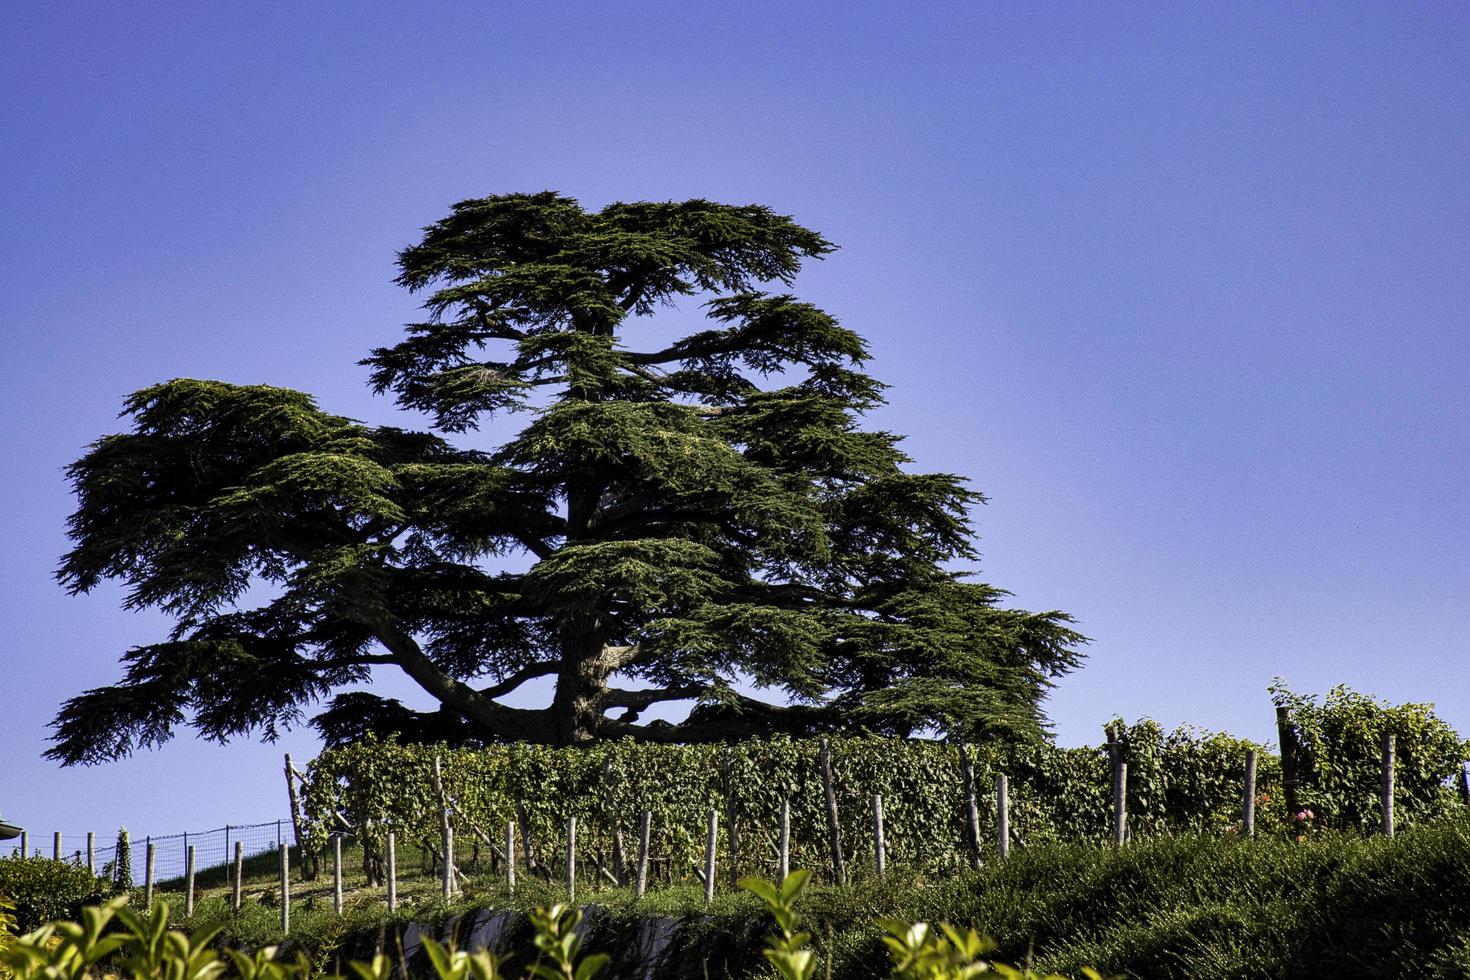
880, 843
783, 845
571, 859
528, 852
148, 858
306, 865
1290, 777
645, 832
834, 831
56, 846
189, 882
972, 808
709, 856
25, 839
1120, 794
446, 832
238, 876
619, 852
285, 889
337, 873
510, 855
91, 852
392, 872
1003, 815
1388, 783
1248, 807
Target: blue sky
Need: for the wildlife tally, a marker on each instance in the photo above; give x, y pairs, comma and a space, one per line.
1182, 288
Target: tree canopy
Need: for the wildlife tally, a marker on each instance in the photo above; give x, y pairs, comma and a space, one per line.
704, 521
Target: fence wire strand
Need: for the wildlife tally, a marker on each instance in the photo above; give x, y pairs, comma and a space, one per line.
212, 848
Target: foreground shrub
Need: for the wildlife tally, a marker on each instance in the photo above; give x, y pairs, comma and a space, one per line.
113, 939
42, 889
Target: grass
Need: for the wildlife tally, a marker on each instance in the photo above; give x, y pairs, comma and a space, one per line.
1197, 907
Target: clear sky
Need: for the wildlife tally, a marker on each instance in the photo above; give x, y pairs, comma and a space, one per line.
1182, 287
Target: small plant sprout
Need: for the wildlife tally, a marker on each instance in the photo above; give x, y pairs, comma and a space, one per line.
787, 948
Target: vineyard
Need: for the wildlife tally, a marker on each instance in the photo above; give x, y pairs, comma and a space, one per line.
1180, 782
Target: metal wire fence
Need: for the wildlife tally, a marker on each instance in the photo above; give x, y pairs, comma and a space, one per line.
212, 848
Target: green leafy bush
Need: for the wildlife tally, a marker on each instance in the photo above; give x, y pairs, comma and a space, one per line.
113, 938
1341, 754
7, 930
43, 889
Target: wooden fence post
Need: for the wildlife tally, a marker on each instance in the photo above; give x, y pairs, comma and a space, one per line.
392, 872
189, 882
1248, 808
1388, 783
91, 852
148, 876
337, 873
239, 876
25, 838
510, 855
1290, 778
972, 808
446, 832
839, 867
880, 845
1120, 794
523, 821
1003, 815
56, 846
619, 853
285, 889
783, 847
571, 859
645, 831
307, 870
709, 856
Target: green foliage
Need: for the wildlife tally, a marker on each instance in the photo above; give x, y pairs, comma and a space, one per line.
120, 869
1341, 742
558, 946
1185, 782
1215, 907
7, 930
672, 524
42, 889
788, 950
918, 951
1338, 905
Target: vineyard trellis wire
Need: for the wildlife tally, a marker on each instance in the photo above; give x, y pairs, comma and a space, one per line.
212, 847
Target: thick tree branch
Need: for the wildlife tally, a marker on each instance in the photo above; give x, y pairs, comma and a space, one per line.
745, 718
638, 700
529, 672
503, 722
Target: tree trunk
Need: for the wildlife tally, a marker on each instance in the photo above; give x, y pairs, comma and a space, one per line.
581, 683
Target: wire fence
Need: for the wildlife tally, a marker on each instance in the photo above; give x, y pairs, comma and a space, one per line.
212, 848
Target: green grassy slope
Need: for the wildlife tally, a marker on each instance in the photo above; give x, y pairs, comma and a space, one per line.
1333, 906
